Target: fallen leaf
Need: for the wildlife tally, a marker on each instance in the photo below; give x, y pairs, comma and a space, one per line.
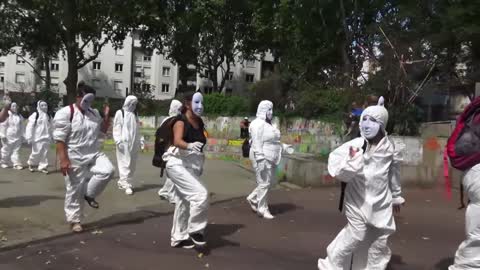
48, 262
207, 265
200, 255
425, 238
19, 257
81, 242
97, 232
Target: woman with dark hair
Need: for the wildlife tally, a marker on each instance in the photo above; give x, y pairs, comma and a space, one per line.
184, 166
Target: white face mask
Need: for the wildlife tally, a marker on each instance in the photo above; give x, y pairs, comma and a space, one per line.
369, 127
270, 114
87, 101
43, 107
14, 108
197, 104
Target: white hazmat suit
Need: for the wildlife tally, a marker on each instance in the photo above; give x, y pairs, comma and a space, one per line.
168, 191
126, 133
372, 177
184, 168
12, 135
467, 256
265, 154
91, 170
39, 134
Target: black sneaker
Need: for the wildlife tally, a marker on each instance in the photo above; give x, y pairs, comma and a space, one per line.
186, 244
198, 239
92, 202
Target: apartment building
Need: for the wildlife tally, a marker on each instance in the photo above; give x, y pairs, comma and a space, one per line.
115, 72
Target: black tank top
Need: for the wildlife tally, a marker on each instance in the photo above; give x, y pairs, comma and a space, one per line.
191, 134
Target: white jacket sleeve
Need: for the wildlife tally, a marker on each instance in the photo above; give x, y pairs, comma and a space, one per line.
61, 125
394, 175
117, 127
343, 167
30, 127
256, 133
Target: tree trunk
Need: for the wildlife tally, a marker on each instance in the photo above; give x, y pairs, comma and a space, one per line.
214, 79
72, 75
48, 78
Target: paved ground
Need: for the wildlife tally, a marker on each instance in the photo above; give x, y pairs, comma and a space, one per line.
31, 205
429, 230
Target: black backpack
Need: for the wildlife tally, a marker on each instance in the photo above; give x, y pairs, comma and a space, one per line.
163, 140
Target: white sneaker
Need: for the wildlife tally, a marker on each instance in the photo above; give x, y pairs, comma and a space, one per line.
4, 166
18, 167
252, 205
31, 169
129, 191
267, 215
45, 171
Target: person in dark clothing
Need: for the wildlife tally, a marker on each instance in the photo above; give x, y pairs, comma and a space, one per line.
244, 124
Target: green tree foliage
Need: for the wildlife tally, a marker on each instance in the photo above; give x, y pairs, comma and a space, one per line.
218, 104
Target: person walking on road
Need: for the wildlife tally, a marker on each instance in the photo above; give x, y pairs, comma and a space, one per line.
265, 154
12, 135
39, 135
167, 192
86, 169
370, 166
126, 134
184, 166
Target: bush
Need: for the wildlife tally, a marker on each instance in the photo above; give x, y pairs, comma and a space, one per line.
218, 104
268, 89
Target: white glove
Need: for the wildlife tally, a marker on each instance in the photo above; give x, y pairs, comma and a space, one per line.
195, 146
287, 148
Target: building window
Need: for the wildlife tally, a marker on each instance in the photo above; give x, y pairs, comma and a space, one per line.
250, 78
20, 60
97, 65
166, 71
20, 77
165, 88
118, 86
147, 58
118, 67
2, 64
120, 51
229, 76
2, 78
96, 48
54, 67
250, 63
147, 72
208, 90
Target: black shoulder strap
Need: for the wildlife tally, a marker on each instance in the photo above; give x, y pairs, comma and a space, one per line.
72, 111
36, 117
123, 113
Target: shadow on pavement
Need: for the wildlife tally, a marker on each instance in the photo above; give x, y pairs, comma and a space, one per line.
216, 234
147, 187
26, 201
282, 208
444, 264
5, 182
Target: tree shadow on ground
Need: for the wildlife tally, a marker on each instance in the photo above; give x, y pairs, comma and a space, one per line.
282, 208
444, 264
147, 187
215, 236
26, 201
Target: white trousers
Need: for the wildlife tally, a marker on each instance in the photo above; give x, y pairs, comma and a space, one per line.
39, 155
358, 247
127, 163
168, 190
88, 181
191, 205
265, 177
468, 253
10, 152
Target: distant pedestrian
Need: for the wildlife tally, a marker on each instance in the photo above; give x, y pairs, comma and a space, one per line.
244, 124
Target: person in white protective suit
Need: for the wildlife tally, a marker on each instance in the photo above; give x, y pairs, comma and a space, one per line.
39, 135
467, 256
167, 191
265, 154
370, 165
126, 133
87, 171
184, 166
12, 135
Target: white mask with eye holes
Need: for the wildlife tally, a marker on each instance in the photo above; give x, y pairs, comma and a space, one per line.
14, 108
270, 114
369, 127
197, 104
87, 101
